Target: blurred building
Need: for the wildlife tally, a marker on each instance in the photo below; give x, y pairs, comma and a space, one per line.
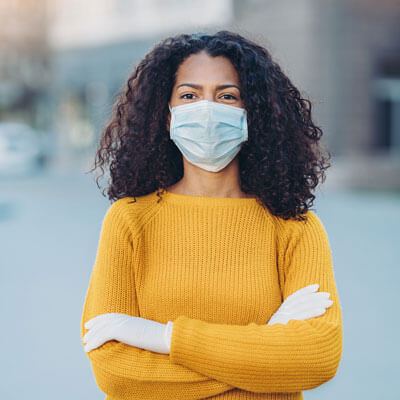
95, 46
24, 62
342, 54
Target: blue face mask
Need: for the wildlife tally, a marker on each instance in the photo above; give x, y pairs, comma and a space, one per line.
208, 134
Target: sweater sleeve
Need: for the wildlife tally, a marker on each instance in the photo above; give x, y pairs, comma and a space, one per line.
121, 370
298, 356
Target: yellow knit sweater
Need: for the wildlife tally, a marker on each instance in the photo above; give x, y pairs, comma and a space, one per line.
218, 268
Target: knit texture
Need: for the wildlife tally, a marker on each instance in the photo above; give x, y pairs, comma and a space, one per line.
218, 268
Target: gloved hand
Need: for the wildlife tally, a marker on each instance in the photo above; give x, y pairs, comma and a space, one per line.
134, 331
301, 305
156, 337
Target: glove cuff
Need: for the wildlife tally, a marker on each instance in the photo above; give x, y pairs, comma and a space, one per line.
168, 334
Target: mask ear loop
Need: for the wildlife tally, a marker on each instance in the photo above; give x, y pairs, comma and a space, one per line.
170, 133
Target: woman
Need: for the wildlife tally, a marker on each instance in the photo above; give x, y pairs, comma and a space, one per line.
209, 261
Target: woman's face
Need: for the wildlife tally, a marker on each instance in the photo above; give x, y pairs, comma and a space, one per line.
202, 77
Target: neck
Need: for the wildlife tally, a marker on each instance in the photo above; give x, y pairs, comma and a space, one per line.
199, 182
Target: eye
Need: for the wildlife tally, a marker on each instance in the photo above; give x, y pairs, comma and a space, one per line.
187, 94
232, 97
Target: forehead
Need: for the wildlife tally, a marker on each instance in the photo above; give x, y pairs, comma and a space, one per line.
201, 67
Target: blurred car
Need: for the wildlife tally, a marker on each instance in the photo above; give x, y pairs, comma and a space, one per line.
22, 149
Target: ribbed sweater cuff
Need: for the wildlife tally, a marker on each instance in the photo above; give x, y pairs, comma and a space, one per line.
184, 348
183, 329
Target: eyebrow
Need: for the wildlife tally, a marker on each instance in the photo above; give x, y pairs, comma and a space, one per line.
219, 87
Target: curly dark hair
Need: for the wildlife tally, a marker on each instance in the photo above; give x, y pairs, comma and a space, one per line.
282, 161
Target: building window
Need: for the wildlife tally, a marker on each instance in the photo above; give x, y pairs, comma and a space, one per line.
387, 96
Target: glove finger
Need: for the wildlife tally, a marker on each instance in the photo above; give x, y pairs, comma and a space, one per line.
317, 295
309, 314
99, 324
304, 290
110, 325
94, 331
99, 339
102, 318
313, 298
310, 306
307, 291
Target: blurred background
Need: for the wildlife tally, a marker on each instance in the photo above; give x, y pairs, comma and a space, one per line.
62, 66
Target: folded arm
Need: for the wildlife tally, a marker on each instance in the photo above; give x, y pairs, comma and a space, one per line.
298, 356
121, 369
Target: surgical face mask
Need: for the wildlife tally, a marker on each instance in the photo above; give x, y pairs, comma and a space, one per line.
208, 134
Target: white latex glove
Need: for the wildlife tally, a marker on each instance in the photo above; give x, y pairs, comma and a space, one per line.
302, 304
156, 337
134, 331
